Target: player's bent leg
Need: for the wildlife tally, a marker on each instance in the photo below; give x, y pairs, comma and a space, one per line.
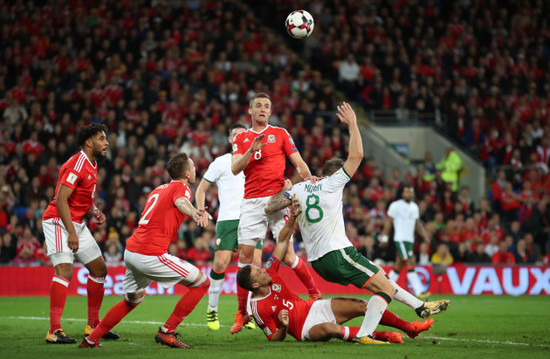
166, 334
345, 309
112, 318
95, 288
324, 332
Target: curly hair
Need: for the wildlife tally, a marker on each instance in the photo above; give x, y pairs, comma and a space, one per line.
87, 132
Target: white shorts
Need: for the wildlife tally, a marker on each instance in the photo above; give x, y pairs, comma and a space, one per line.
167, 270
253, 222
319, 313
58, 247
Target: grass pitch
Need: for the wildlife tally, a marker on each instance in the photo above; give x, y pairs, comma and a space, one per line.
473, 327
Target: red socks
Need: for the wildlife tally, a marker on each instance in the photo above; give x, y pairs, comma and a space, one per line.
58, 296
349, 333
302, 272
112, 318
96, 289
242, 299
186, 305
392, 320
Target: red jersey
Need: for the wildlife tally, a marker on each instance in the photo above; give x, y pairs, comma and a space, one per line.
80, 175
266, 309
159, 221
265, 172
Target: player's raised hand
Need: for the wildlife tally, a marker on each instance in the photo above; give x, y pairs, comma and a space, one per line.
346, 114
295, 207
283, 317
257, 143
287, 185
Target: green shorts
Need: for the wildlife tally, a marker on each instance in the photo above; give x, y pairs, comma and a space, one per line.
404, 249
345, 266
226, 236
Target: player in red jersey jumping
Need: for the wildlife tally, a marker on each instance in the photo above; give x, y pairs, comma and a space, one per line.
261, 153
278, 311
68, 237
147, 259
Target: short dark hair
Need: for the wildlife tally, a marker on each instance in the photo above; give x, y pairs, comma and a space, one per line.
177, 165
259, 95
234, 126
87, 132
331, 166
244, 280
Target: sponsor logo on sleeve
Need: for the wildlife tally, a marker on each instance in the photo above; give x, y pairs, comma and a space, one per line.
71, 178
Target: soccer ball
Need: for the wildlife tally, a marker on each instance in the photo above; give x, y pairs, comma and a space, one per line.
299, 24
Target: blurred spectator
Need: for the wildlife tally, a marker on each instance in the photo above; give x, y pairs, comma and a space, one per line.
521, 255
423, 255
27, 247
9, 248
502, 256
442, 256
199, 254
478, 255
450, 166
113, 255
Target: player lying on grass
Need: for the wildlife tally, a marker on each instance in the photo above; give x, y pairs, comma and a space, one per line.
279, 311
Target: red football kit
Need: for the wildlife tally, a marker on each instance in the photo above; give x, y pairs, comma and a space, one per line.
79, 174
265, 172
266, 309
159, 221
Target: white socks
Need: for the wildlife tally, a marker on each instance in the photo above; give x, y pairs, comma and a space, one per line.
375, 308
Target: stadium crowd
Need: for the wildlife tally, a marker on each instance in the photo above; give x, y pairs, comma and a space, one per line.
169, 76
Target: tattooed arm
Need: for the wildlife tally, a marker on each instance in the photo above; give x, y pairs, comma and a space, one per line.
279, 201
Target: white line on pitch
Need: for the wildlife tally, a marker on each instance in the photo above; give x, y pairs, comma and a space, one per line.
124, 321
484, 341
204, 325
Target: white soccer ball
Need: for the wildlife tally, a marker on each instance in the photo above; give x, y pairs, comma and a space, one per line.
299, 24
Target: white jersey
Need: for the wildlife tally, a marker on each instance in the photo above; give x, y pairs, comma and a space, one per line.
404, 217
322, 221
230, 187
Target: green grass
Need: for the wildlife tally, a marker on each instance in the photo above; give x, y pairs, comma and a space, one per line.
473, 327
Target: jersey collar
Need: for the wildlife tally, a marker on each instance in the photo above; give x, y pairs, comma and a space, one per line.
268, 126
90, 162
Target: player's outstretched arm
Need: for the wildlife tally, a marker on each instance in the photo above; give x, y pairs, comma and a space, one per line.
285, 234
200, 199
347, 116
240, 161
279, 200
188, 209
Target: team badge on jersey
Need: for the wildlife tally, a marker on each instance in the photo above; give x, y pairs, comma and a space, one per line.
271, 138
276, 287
218, 241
